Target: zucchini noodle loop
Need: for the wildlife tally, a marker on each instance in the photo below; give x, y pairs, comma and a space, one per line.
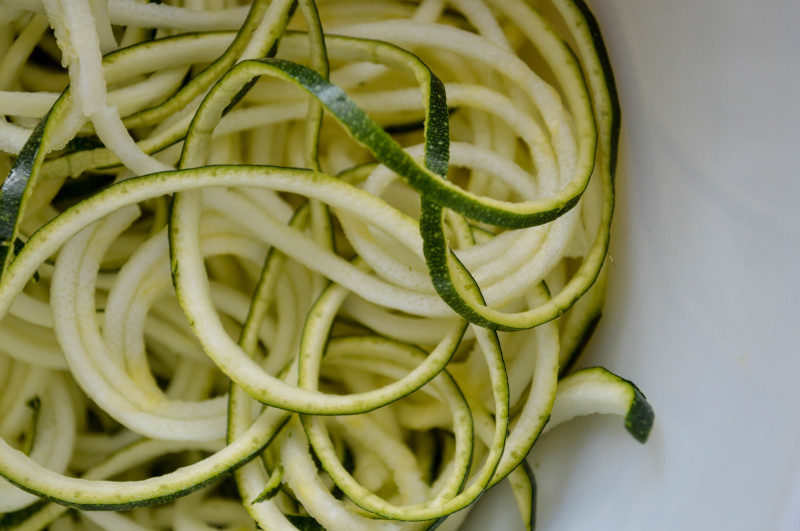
291, 264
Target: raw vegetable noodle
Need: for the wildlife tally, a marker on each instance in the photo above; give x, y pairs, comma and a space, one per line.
297, 265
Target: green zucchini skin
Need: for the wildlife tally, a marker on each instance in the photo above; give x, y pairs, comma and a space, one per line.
641, 416
13, 193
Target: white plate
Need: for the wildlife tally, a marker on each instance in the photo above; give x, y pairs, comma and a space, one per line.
704, 299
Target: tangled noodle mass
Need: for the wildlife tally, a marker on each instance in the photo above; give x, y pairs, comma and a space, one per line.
296, 264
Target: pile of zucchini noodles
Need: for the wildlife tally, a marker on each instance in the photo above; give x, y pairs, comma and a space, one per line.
296, 265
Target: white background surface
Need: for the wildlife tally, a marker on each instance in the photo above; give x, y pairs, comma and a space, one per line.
704, 300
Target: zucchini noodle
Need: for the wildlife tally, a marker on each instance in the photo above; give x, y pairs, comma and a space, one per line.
297, 265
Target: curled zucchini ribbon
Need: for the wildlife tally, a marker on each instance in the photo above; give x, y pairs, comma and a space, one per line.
268, 243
